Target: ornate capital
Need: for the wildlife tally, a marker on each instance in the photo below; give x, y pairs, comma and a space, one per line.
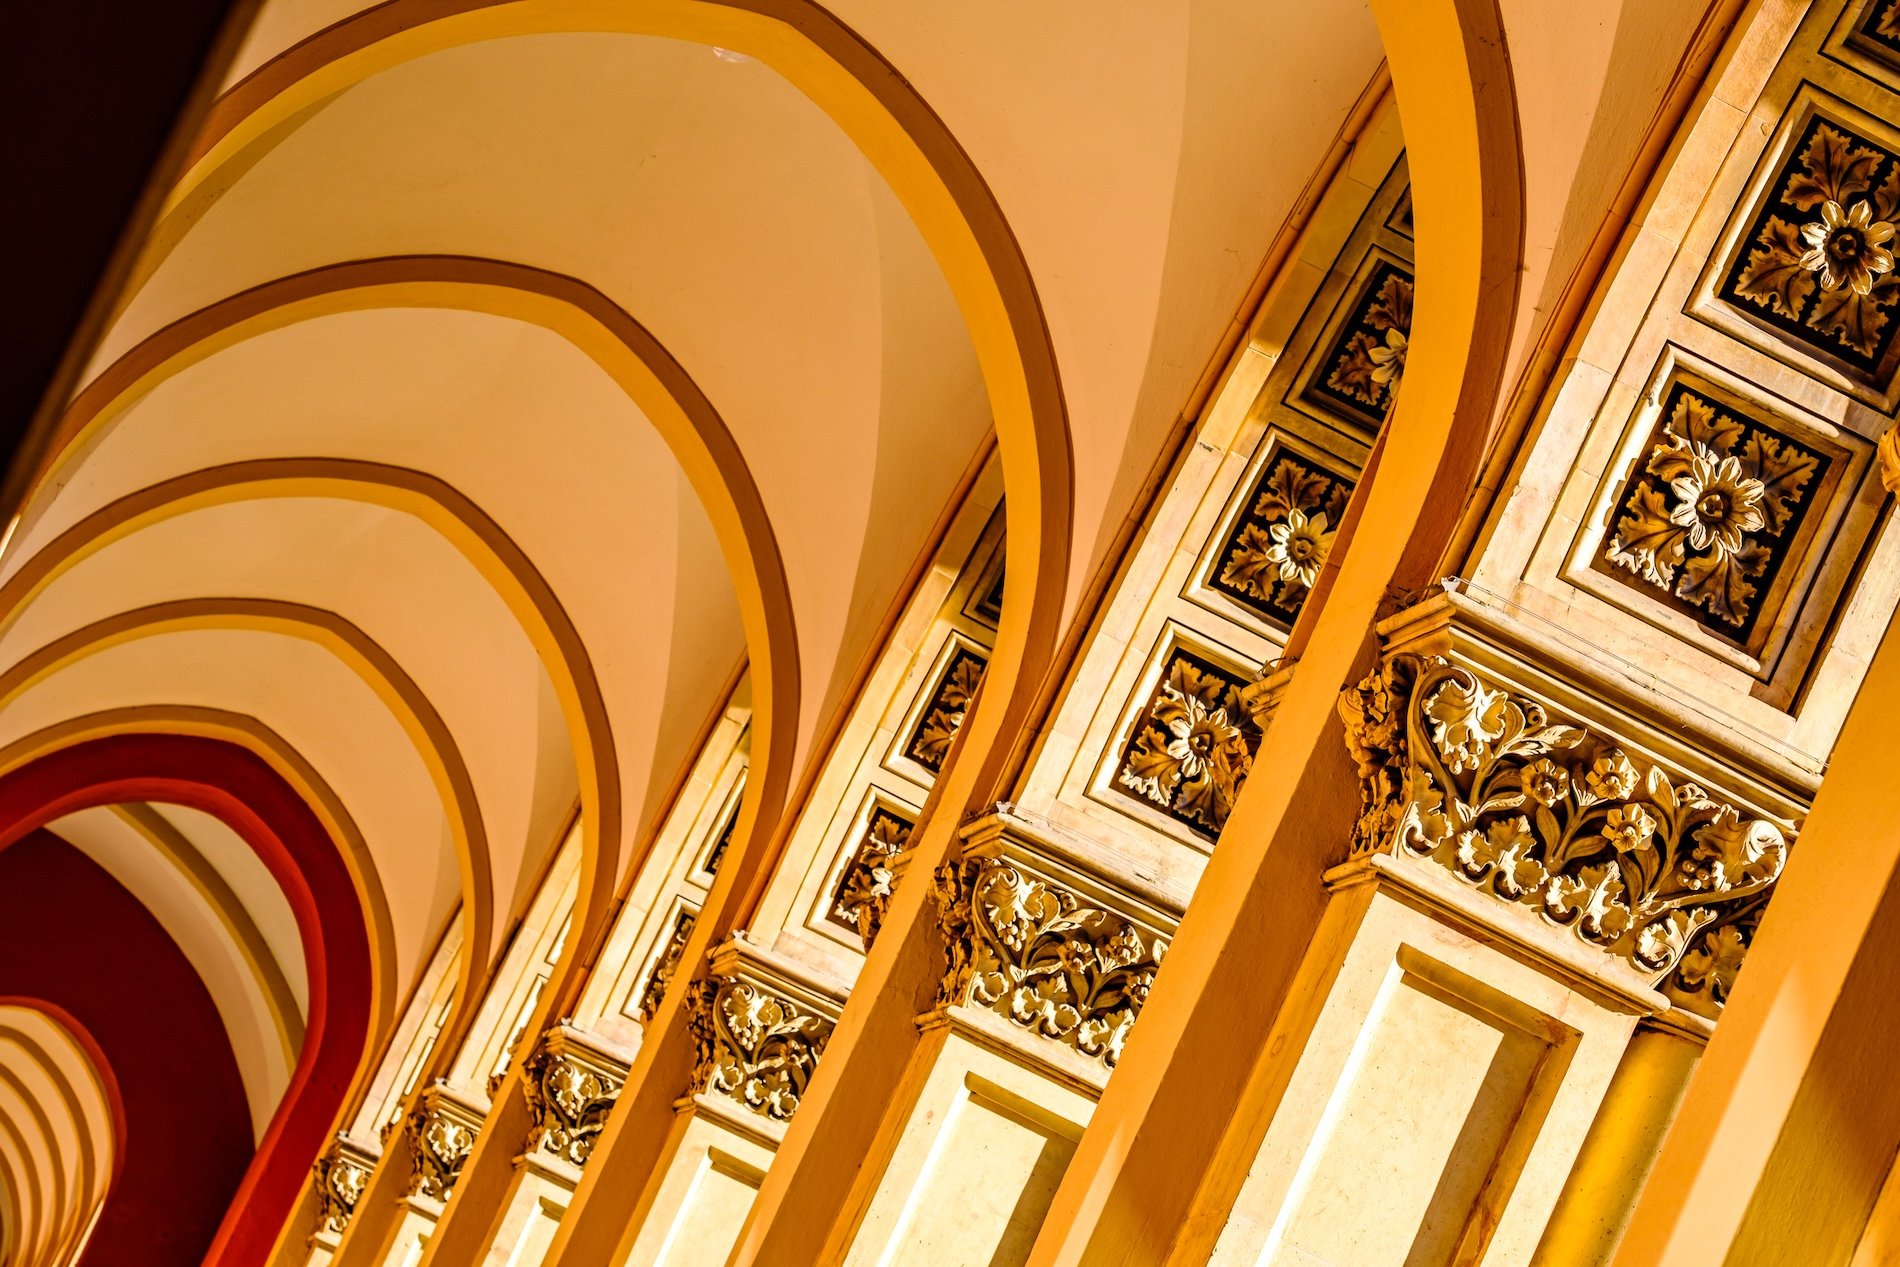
441, 1134
1541, 812
1035, 954
759, 1039
342, 1173
571, 1089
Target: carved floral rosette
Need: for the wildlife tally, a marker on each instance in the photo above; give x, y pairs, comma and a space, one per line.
1549, 815
1033, 953
441, 1135
342, 1172
757, 1047
570, 1093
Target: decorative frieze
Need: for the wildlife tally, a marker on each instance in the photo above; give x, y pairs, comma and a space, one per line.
571, 1087
1274, 549
342, 1172
1709, 517
1814, 263
1547, 814
944, 707
1189, 751
1363, 366
441, 1133
864, 889
759, 1033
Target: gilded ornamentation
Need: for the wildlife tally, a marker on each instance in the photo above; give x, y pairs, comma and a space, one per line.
342, 1173
1547, 815
756, 1047
943, 711
441, 1136
1274, 552
1191, 747
723, 842
1878, 31
1817, 263
864, 890
569, 1098
1030, 952
1362, 370
1706, 522
666, 963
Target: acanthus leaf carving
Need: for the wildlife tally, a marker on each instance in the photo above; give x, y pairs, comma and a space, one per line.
756, 1047
342, 1172
1031, 952
1552, 816
569, 1099
441, 1136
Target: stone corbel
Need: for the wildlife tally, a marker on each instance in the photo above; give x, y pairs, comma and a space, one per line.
573, 1079
1565, 826
442, 1133
761, 1021
342, 1172
1040, 932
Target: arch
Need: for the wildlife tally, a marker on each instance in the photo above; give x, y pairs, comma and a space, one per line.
236, 786
68, 1058
624, 350
430, 735
289, 765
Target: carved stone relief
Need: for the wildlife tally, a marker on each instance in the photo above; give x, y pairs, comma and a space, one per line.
441, 1135
1361, 370
1033, 953
1546, 814
723, 841
1814, 264
1188, 753
1708, 519
570, 1093
342, 1172
864, 889
944, 707
666, 963
757, 1047
1277, 544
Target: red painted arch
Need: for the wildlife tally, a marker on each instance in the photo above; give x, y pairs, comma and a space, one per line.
240, 788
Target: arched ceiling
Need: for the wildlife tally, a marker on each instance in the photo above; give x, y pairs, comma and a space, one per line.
58, 1122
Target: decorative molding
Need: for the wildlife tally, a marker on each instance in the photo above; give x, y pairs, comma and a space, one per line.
1708, 521
864, 889
1814, 264
1277, 544
1033, 939
1189, 750
666, 963
759, 1032
342, 1172
571, 1086
1551, 815
442, 1133
942, 714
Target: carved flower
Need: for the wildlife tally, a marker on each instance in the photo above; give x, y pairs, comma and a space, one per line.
1729, 852
1847, 248
1545, 781
1610, 777
1299, 546
944, 714
1388, 362
1716, 962
1628, 828
1716, 502
1190, 753
1465, 720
